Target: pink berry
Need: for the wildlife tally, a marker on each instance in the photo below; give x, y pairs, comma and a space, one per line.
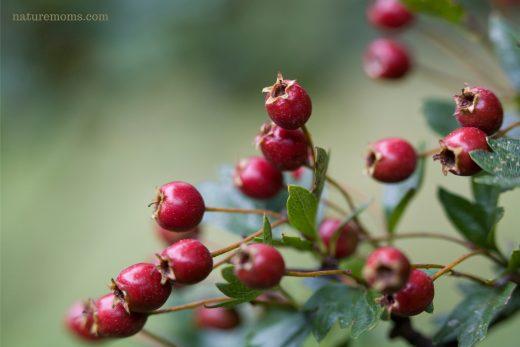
220, 318
185, 262
390, 160
479, 108
80, 318
387, 270
257, 179
386, 59
116, 322
170, 237
415, 296
287, 103
347, 241
455, 148
285, 150
259, 266
388, 14
178, 207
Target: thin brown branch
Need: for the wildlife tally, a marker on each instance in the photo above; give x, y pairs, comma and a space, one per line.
225, 260
308, 137
157, 339
191, 305
244, 210
420, 234
325, 273
456, 262
452, 272
429, 152
501, 133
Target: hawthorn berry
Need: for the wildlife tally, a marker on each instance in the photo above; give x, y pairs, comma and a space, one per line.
390, 160
386, 59
221, 318
178, 207
80, 318
479, 108
387, 270
388, 14
170, 237
257, 179
348, 237
287, 103
185, 262
455, 148
139, 289
259, 266
285, 150
415, 296
115, 321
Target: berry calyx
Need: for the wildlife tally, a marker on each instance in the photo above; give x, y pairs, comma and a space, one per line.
178, 207
257, 179
479, 108
415, 296
455, 148
220, 318
387, 270
390, 160
287, 103
388, 14
386, 59
285, 150
139, 289
170, 237
80, 318
185, 262
259, 266
347, 241
116, 322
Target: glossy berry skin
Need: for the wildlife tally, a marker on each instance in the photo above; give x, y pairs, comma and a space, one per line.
139, 289
415, 296
186, 262
79, 322
260, 266
387, 270
455, 148
257, 179
285, 150
479, 108
170, 237
388, 14
178, 207
220, 318
347, 240
391, 160
116, 322
287, 104
386, 59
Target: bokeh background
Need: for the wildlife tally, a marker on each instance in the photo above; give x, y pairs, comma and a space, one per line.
95, 115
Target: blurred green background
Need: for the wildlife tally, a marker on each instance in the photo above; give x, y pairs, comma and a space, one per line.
95, 115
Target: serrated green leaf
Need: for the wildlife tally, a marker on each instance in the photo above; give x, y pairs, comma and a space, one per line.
302, 207
429, 309
484, 194
471, 318
268, 232
234, 289
290, 331
502, 182
367, 313
291, 241
439, 115
320, 172
445, 9
505, 36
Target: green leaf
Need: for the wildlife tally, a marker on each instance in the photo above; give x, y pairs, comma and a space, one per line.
429, 309
268, 232
320, 173
291, 241
484, 194
397, 196
471, 318
502, 182
444, 9
439, 115
514, 263
367, 313
345, 221
234, 289
352, 263
505, 37
302, 207
290, 331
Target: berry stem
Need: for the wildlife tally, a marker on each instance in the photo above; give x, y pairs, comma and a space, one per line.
501, 133
458, 261
191, 305
244, 210
247, 239
452, 272
429, 152
225, 260
309, 142
325, 273
157, 339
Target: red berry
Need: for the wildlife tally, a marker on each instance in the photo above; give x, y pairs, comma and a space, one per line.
415, 296
386, 59
221, 318
116, 322
259, 266
287, 103
390, 160
178, 207
185, 262
139, 289
257, 179
347, 240
387, 270
285, 150
388, 14
479, 108
170, 237
80, 318
455, 148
